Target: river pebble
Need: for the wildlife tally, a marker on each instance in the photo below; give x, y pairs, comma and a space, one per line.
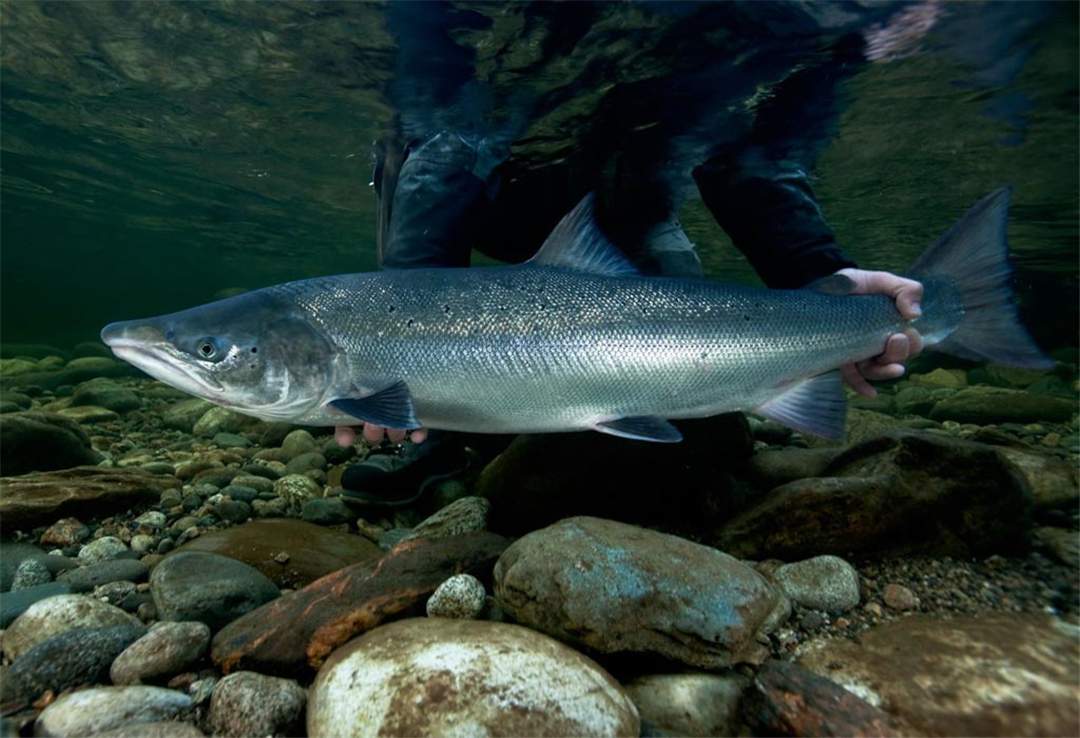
821, 583
460, 596
169, 648
249, 704
60, 614
99, 709
106, 547
207, 588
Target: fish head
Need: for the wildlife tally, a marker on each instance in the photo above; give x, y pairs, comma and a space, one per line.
254, 353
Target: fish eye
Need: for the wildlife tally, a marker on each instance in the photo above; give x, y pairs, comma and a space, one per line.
207, 348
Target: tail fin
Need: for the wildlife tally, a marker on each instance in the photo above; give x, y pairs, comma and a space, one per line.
973, 257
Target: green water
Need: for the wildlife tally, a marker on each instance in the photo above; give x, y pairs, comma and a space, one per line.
154, 154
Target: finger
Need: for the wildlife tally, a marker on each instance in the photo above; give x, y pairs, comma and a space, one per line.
897, 349
915, 342
419, 435
344, 435
870, 369
373, 434
855, 379
908, 298
396, 435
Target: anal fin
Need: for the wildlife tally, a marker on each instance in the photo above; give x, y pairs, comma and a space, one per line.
641, 428
816, 405
390, 407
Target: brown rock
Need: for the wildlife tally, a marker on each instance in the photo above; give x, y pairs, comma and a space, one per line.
788, 700
85, 491
899, 597
305, 626
994, 675
903, 492
312, 551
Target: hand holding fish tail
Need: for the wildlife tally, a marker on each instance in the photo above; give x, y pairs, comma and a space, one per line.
901, 346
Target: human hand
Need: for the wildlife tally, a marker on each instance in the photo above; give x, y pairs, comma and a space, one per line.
900, 346
345, 435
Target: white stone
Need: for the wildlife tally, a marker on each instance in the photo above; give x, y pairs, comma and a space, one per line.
435, 676
59, 614
99, 709
460, 596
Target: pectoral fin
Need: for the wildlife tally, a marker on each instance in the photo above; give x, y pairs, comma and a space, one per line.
816, 405
641, 428
391, 407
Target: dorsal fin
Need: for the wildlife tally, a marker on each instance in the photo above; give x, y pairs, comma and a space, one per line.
577, 243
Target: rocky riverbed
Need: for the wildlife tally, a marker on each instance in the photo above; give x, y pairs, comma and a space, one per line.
171, 568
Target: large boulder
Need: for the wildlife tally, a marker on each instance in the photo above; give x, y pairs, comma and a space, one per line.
616, 588
208, 588
994, 675
41, 499
904, 492
311, 551
36, 441
434, 677
989, 405
105, 393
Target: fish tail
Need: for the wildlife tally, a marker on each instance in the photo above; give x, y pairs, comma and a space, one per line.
967, 273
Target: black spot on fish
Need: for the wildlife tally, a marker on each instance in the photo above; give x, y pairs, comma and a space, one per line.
390, 309
254, 349
446, 309
409, 323
746, 317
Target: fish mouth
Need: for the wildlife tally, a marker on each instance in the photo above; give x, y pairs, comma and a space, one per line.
164, 362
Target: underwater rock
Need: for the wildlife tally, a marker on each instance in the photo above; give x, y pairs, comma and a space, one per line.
298, 442
41, 499
15, 603
222, 420
231, 440
86, 578
88, 414
539, 479
461, 596
105, 393
297, 489
32, 572
60, 614
583, 581
989, 405
96, 710
461, 516
789, 700
76, 371
66, 660
822, 583
301, 628
30, 350
163, 729
941, 378
169, 648
327, 511
313, 551
1063, 544
771, 468
993, 675
183, 415
689, 704
102, 549
250, 704
38, 441
305, 462
65, 532
208, 588
1054, 484
15, 366
432, 677
13, 554
904, 492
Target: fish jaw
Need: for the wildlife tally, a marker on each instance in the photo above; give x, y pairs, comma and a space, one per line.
144, 345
